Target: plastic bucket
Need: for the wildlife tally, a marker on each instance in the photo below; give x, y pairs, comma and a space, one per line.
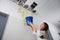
29, 19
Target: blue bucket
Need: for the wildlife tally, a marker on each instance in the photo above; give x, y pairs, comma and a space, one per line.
29, 19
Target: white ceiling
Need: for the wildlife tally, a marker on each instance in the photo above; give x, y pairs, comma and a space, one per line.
49, 10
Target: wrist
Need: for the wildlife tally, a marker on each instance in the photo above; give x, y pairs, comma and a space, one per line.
31, 24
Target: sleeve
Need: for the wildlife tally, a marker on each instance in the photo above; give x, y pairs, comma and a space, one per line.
34, 32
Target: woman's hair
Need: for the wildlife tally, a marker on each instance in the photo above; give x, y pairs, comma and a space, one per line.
46, 26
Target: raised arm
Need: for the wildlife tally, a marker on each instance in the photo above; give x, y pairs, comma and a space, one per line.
33, 27
29, 21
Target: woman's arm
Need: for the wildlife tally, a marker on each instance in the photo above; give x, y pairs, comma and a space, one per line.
33, 27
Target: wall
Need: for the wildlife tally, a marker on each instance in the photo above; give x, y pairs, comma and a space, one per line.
15, 29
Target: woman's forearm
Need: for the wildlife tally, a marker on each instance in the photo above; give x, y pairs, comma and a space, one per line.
33, 27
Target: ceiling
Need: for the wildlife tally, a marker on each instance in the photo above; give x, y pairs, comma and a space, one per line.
48, 10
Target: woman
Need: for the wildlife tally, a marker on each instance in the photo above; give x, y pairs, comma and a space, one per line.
42, 33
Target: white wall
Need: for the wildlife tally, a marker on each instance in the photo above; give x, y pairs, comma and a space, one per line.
15, 29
